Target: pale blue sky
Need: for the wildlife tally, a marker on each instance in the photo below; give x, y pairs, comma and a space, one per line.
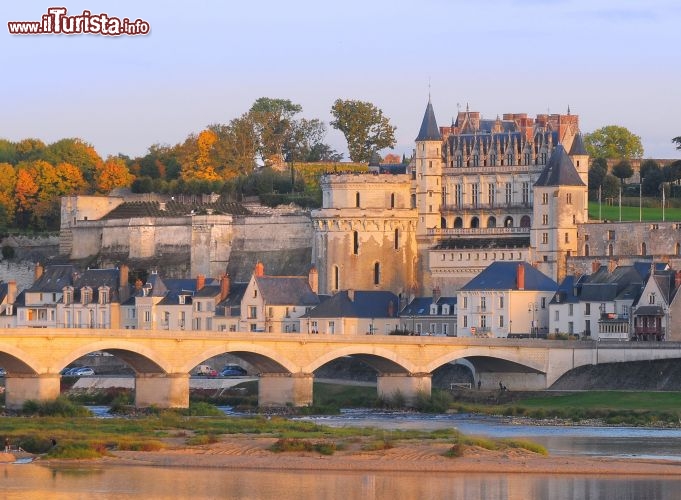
205, 61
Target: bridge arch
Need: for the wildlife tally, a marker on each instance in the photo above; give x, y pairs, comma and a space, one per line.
17, 361
264, 359
510, 355
141, 358
381, 359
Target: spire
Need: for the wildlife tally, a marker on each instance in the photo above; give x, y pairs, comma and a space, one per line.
577, 148
429, 129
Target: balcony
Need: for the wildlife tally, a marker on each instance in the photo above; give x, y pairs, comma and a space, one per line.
497, 206
480, 231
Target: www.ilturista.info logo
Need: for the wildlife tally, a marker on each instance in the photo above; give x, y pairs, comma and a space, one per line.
56, 22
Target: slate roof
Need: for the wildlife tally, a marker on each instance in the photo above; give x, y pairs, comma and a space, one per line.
231, 306
53, 279
95, 278
559, 170
502, 276
286, 290
429, 129
577, 147
367, 304
420, 306
566, 290
135, 209
604, 285
3, 291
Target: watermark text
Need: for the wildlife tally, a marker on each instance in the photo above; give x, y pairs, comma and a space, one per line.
57, 22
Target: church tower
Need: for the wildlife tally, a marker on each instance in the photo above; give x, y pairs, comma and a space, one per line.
560, 203
427, 191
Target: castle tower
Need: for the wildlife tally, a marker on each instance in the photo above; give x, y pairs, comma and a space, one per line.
580, 158
427, 191
560, 203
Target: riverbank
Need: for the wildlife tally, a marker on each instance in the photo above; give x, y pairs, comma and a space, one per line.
253, 453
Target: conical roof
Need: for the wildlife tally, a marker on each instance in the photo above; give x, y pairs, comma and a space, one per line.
429, 129
578, 148
559, 171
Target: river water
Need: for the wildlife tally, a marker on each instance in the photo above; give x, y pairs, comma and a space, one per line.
34, 481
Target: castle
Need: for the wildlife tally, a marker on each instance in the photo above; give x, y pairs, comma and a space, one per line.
478, 191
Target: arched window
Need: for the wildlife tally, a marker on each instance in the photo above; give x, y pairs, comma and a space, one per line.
475, 223
377, 273
336, 278
443, 223
586, 250
413, 201
392, 200
611, 250
643, 248
357, 199
525, 221
508, 221
492, 222
397, 239
458, 223
355, 242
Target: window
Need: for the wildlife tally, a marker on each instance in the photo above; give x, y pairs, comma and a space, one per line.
131, 313
501, 321
567, 238
104, 295
355, 242
545, 198
357, 200
571, 327
458, 195
556, 315
433, 309
491, 194
86, 293
474, 194
147, 316
587, 309
570, 309
526, 192
568, 198
643, 248
252, 312
509, 194
270, 312
483, 321
198, 306
445, 329
545, 238
336, 278
543, 302
166, 317
651, 298
465, 302
483, 303
465, 321
433, 328
545, 219
377, 273
392, 200
611, 250
397, 239
501, 302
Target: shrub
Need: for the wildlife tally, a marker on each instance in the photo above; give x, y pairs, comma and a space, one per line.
60, 407
455, 451
202, 439
378, 444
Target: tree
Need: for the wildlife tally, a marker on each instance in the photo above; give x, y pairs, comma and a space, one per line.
26, 196
648, 166
610, 186
112, 174
622, 170
302, 137
597, 173
613, 141
8, 152
651, 183
8, 182
677, 140
76, 152
392, 158
365, 128
273, 120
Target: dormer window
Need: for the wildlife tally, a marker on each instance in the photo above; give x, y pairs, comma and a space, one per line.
445, 309
104, 295
651, 298
433, 309
86, 295
68, 295
181, 299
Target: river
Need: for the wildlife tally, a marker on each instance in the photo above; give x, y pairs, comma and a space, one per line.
35, 481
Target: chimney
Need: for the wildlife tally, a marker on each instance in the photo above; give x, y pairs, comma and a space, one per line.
259, 269
351, 295
123, 272
200, 282
520, 277
11, 291
612, 264
38, 271
313, 279
436, 294
225, 284
595, 266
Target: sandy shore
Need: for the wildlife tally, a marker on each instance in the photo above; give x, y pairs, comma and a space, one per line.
413, 456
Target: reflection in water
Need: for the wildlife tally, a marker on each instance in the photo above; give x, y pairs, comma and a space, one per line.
29, 482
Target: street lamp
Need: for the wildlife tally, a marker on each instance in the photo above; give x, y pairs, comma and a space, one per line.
532, 307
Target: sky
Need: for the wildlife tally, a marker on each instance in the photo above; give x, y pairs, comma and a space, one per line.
612, 62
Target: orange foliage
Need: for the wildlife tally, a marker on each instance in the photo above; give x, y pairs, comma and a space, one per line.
112, 174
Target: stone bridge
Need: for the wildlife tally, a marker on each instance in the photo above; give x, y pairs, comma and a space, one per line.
163, 360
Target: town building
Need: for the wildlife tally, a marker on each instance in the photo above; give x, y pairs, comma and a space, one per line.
434, 315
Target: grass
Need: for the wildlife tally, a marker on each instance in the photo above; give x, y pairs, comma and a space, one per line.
629, 213
608, 400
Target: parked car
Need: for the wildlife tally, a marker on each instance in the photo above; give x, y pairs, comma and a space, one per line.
233, 371
205, 371
83, 371
69, 371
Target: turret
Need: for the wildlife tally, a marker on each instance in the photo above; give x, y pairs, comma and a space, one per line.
428, 165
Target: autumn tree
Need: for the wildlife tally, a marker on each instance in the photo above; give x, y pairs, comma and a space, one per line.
8, 182
613, 141
76, 152
26, 193
112, 174
365, 128
237, 146
29, 149
197, 157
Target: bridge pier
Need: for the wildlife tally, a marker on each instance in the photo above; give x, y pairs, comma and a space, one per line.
21, 388
408, 385
284, 389
513, 381
163, 390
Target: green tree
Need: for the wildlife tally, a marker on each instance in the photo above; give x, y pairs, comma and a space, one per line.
273, 119
613, 141
611, 186
677, 141
622, 170
651, 183
648, 166
597, 173
365, 128
8, 152
76, 152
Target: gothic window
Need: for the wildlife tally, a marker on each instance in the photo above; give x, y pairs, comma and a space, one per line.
459, 161
355, 242
509, 159
377, 273
491, 194
509, 194
397, 239
586, 250
476, 160
525, 221
528, 158
474, 194
651, 298
508, 222
526, 192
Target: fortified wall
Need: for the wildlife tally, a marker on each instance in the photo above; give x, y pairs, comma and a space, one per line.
184, 238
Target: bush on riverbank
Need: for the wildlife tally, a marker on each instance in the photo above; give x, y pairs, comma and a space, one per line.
60, 407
